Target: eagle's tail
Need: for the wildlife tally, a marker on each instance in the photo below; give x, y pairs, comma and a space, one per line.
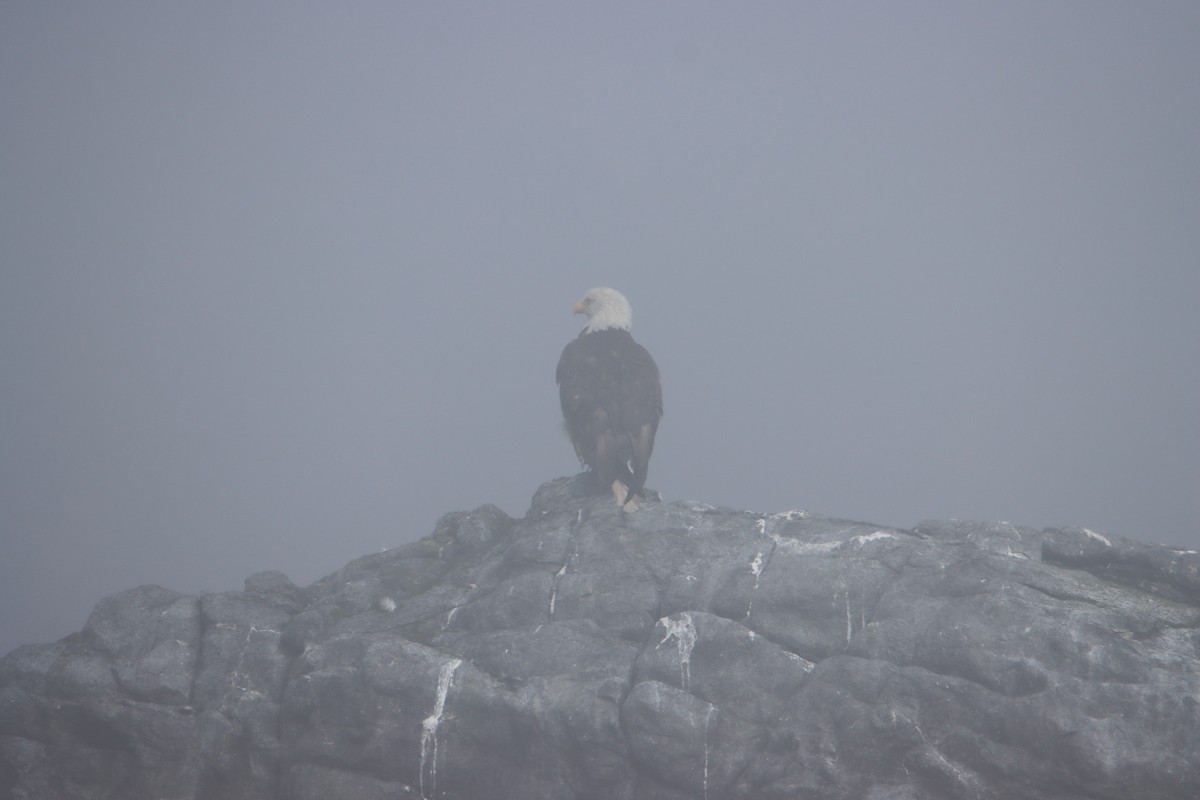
641, 444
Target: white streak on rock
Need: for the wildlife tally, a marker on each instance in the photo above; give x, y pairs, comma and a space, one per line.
1098, 537
804, 547
554, 587
707, 719
684, 633
805, 664
849, 621
562, 571
756, 568
807, 548
861, 540
429, 741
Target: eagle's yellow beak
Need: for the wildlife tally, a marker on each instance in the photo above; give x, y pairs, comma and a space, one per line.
579, 307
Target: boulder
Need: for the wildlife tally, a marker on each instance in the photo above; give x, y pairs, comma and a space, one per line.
680, 651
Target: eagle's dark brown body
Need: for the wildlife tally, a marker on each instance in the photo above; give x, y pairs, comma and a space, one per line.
611, 399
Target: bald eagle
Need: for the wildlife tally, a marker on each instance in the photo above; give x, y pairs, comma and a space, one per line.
611, 396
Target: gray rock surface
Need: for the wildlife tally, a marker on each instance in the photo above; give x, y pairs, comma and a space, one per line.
682, 651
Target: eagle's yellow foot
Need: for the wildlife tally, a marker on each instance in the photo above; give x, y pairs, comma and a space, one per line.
621, 494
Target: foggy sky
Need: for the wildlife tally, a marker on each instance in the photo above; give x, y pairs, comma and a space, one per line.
282, 283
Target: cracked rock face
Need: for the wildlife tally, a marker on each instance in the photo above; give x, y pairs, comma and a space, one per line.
679, 652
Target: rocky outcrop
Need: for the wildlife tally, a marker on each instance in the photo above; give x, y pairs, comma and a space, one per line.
682, 651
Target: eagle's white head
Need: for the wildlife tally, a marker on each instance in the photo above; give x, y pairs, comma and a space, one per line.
605, 308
